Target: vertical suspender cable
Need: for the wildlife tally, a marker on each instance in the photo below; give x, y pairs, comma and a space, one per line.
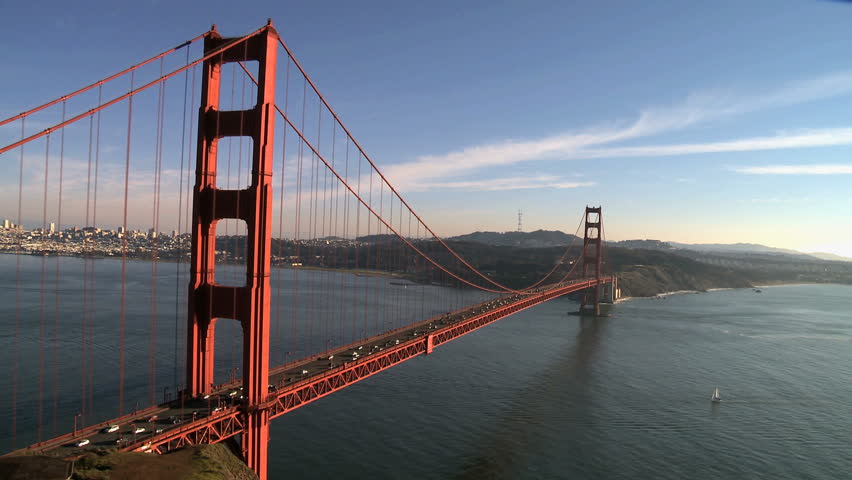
188, 185
18, 253
84, 377
88, 351
325, 247
154, 240
56, 302
345, 199
379, 257
370, 279
179, 230
313, 215
338, 244
278, 345
124, 253
298, 221
41, 326
389, 254
357, 251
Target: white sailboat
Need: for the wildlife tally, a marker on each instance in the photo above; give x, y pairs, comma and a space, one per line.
717, 397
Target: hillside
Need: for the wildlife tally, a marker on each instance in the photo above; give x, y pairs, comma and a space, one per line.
536, 239
198, 462
830, 256
643, 271
555, 238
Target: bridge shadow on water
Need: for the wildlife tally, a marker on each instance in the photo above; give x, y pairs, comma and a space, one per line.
556, 397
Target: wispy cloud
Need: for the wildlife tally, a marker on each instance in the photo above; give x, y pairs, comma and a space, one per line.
777, 200
824, 169
594, 142
784, 140
509, 183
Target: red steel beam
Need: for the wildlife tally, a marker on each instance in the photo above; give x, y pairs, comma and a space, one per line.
213, 429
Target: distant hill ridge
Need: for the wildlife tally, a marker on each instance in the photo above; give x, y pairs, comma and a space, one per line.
549, 238
556, 238
536, 239
734, 248
747, 248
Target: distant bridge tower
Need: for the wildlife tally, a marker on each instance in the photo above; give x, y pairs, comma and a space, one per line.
592, 246
520, 216
248, 304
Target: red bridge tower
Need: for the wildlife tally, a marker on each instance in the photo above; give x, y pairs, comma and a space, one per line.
248, 304
592, 247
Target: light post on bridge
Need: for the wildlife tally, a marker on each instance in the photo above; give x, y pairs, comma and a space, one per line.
78, 414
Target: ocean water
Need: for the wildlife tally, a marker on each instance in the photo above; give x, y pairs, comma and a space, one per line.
541, 394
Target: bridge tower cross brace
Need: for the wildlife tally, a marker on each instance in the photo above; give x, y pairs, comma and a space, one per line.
592, 250
248, 304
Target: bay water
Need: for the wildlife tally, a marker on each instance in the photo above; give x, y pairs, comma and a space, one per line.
541, 394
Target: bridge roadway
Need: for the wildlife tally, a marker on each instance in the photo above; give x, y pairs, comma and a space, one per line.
219, 416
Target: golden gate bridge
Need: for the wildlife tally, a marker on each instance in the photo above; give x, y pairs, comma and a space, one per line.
293, 243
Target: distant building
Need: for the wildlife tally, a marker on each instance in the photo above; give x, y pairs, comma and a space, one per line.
6, 224
52, 227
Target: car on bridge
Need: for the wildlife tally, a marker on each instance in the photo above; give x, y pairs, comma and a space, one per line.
110, 429
83, 442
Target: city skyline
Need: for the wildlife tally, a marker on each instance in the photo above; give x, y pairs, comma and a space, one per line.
710, 124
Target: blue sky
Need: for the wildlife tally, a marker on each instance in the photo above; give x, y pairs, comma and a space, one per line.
688, 121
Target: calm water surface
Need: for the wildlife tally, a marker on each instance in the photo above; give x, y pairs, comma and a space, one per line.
546, 395
541, 394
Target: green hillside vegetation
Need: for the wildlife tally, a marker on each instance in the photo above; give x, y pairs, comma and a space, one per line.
198, 462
